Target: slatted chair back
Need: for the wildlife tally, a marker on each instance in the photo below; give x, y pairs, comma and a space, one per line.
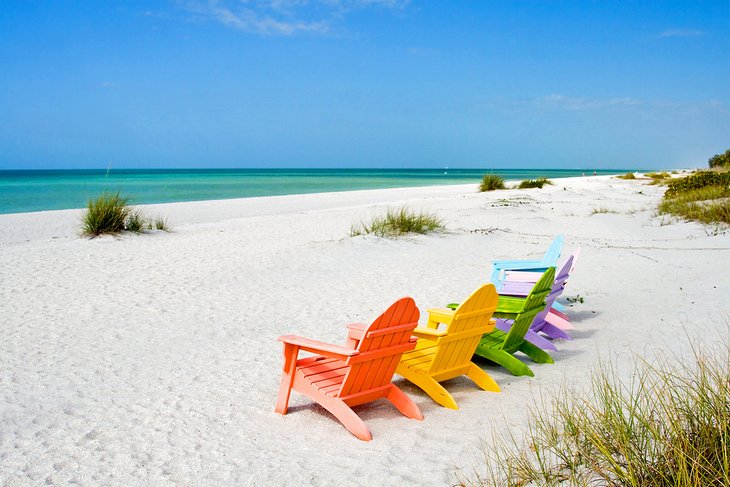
470, 321
557, 289
553, 252
532, 305
381, 347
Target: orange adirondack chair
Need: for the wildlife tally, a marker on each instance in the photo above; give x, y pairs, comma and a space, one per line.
444, 354
341, 377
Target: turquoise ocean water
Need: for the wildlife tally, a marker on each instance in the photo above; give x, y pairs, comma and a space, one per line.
23, 191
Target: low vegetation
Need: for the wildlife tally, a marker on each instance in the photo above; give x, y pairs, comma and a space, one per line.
703, 196
706, 205
628, 175
533, 183
698, 180
668, 426
490, 182
658, 175
399, 222
159, 223
601, 210
111, 214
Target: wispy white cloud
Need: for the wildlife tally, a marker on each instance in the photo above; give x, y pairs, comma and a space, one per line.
580, 103
281, 17
682, 33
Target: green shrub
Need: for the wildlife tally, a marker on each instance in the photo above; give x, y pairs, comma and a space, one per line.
658, 175
720, 160
399, 222
669, 426
491, 182
105, 215
534, 183
628, 175
698, 180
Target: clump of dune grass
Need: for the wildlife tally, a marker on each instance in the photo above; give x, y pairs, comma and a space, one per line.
705, 205
136, 221
668, 426
159, 223
490, 182
533, 183
628, 175
398, 222
601, 210
662, 177
111, 214
106, 214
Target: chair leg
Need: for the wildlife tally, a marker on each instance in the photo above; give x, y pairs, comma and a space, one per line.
346, 416
539, 341
403, 403
287, 378
559, 319
506, 360
554, 332
428, 385
482, 379
535, 353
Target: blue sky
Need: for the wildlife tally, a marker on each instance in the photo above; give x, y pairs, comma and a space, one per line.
363, 83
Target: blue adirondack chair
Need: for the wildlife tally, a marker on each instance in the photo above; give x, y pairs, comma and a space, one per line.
519, 283
550, 259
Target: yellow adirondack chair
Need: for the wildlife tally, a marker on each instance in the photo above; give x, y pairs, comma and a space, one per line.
444, 354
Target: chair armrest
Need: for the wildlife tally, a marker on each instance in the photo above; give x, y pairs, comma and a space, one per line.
525, 266
315, 346
428, 333
356, 331
520, 263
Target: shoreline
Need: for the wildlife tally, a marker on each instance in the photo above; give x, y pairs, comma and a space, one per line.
154, 359
58, 192
60, 224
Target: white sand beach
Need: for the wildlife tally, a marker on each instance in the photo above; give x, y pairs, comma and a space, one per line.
152, 359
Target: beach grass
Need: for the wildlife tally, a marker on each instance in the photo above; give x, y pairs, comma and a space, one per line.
601, 210
490, 182
106, 214
110, 214
668, 426
136, 221
159, 223
398, 222
705, 205
533, 183
628, 175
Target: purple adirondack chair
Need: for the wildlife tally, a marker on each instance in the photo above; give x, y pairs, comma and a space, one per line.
541, 324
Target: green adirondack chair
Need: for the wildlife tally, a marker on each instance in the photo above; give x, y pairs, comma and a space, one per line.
499, 346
